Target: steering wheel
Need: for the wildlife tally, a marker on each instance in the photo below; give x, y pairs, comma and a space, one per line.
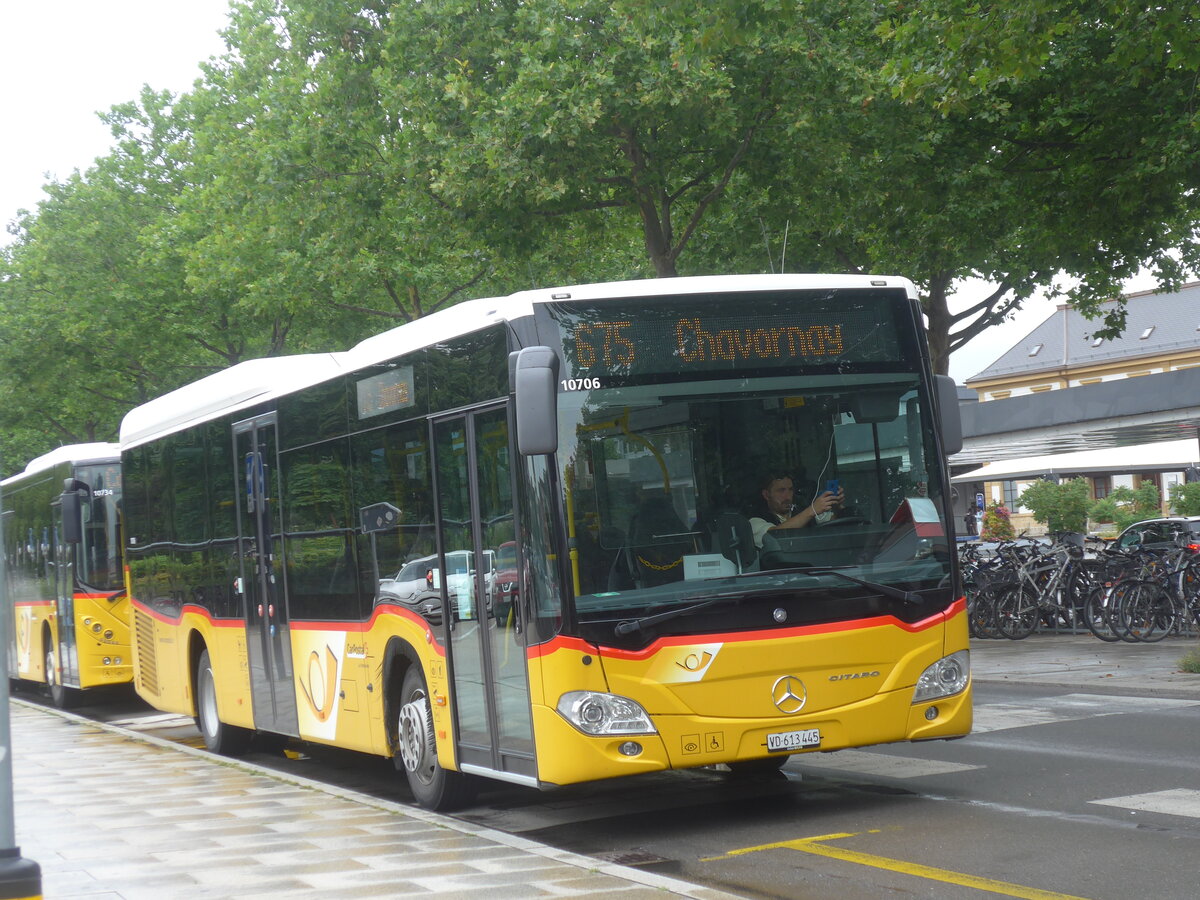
848, 520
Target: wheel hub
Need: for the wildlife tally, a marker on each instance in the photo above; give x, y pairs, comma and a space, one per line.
415, 736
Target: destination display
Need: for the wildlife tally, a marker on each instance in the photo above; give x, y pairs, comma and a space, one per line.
706, 333
385, 392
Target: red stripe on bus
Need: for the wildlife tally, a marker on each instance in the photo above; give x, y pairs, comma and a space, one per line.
359, 627
78, 595
560, 642
188, 608
297, 625
572, 643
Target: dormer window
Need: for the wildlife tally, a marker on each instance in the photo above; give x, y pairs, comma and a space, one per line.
1145, 334
1035, 349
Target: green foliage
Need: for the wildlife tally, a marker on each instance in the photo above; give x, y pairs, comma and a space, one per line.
1124, 506
996, 524
344, 168
1190, 662
1057, 86
1185, 498
1060, 507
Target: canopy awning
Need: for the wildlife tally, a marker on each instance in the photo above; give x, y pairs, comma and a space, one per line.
1166, 456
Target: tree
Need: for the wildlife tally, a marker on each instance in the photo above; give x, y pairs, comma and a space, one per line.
1125, 506
96, 310
1059, 506
344, 168
524, 113
1185, 498
1090, 116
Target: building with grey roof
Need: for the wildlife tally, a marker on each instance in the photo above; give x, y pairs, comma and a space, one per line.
1162, 334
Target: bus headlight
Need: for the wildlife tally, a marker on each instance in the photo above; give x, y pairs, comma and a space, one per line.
946, 677
594, 713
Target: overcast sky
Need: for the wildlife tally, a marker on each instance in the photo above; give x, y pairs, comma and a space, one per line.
61, 63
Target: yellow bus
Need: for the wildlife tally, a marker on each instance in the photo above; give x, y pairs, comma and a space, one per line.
517, 539
65, 589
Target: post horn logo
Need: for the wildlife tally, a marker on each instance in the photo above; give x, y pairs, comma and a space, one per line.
321, 688
789, 694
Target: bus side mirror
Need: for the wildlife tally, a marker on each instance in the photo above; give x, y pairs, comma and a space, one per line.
535, 383
72, 512
948, 412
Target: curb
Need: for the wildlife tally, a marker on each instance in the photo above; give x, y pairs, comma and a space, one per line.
589, 864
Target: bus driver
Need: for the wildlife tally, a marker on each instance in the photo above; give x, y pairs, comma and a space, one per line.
778, 493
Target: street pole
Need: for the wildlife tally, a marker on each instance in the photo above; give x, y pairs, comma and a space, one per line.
20, 879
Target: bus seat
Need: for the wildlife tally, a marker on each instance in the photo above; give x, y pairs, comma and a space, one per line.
733, 538
658, 540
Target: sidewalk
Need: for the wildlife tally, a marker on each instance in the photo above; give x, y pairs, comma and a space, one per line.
1084, 662
111, 814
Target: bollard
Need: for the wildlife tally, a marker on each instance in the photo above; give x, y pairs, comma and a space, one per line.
20, 879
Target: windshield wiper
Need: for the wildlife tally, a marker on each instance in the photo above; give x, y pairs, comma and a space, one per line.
629, 626
910, 597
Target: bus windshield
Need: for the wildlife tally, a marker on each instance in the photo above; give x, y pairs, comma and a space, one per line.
667, 475
99, 555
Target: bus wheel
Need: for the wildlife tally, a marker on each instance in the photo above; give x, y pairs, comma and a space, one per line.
228, 740
432, 786
60, 694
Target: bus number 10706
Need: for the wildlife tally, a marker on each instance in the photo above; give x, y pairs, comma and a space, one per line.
580, 384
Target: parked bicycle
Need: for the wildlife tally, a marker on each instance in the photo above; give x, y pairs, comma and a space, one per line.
1073, 583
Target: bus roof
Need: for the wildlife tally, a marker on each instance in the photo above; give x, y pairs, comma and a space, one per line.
258, 380
237, 387
72, 453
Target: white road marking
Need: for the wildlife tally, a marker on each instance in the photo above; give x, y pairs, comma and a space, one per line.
1177, 802
864, 762
1067, 708
991, 717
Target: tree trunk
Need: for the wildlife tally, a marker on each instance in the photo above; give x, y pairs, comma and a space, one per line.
657, 235
937, 311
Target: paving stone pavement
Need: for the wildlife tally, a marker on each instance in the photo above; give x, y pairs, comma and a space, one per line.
113, 814
110, 814
1083, 662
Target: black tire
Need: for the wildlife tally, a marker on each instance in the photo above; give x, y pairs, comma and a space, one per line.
1097, 614
60, 695
1148, 614
227, 740
1017, 612
1122, 617
981, 615
416, 750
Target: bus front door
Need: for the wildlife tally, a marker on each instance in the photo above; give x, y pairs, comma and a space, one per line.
486, 655
268, 638
66, 652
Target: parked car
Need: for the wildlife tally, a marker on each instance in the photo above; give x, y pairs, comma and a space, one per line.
505, 585
418, 585
1161, 534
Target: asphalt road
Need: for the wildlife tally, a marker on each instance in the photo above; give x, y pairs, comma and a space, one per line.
1059, 792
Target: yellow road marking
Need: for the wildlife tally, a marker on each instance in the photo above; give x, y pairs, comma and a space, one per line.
818, 846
